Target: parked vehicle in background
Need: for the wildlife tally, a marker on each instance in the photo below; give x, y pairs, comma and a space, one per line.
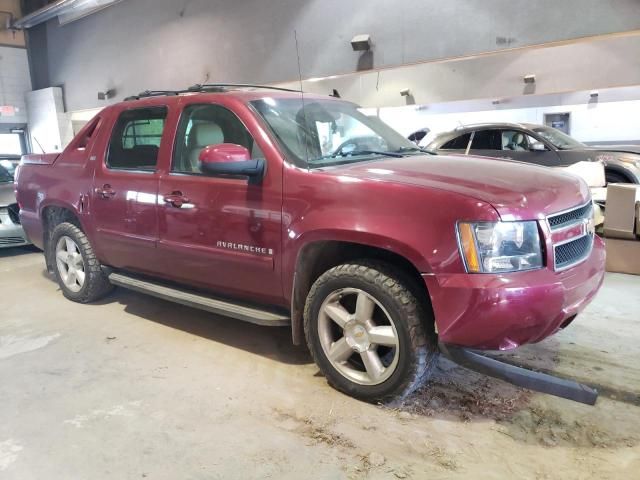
417, 136
278, 210
11, 233
539, 145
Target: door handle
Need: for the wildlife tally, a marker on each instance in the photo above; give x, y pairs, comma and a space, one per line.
105, 191
176, 199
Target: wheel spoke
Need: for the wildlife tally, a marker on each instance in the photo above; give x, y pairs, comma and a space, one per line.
71, 278
80, 276
372, 364
77, 260
364, 307
71, 247
340, 351
62, 255
337, 313
383, 336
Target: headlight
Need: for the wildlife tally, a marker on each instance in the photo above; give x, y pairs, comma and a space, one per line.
500, 247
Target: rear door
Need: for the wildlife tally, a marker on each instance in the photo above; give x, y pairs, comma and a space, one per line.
487, 143
125, 190
224, 234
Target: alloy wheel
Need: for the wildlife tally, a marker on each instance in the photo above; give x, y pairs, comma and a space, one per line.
358, 336
70, 264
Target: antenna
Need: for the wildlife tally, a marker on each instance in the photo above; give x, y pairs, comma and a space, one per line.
36, 140
304, 112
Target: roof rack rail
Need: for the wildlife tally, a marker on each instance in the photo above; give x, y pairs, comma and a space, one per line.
155, 93
206, 88
224, 86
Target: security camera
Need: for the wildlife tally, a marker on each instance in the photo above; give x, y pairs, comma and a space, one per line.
361, 43
405, 92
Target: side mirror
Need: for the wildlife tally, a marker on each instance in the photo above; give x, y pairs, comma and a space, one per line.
228, 159
537, 147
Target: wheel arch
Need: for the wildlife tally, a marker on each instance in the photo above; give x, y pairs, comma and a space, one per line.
53, 214
319, 256
621, 171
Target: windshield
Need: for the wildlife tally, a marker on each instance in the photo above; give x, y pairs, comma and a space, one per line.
330, 132
558, 139
5, 173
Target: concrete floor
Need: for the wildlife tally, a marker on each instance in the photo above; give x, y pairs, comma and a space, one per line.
139, 388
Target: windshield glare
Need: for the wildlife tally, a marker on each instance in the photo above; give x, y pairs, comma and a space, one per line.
557, 138
330, 132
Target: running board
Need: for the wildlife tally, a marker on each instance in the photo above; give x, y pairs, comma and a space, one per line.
522, 377
202, 302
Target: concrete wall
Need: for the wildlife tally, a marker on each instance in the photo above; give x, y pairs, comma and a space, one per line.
14, 83
602, 62
591, 122
141, 44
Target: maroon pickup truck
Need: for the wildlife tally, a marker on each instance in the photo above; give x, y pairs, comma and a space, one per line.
281, 209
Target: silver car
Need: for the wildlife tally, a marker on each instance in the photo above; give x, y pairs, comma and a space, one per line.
11, 233
540, 145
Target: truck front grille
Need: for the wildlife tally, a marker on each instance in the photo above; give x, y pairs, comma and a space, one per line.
573, 252
577, 243
571, 217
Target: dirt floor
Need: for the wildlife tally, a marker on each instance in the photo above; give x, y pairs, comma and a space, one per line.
137, 388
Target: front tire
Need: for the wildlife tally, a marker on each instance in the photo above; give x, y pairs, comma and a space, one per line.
366, 332
76, 267
615, 177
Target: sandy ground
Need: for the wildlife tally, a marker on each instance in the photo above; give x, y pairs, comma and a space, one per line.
138, 388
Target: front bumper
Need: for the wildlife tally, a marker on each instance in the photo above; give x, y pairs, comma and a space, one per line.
11, 234
493, 312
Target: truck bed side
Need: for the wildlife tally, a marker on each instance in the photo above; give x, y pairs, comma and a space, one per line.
61, 181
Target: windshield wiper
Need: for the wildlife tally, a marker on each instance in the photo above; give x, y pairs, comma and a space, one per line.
355, 153
415, 149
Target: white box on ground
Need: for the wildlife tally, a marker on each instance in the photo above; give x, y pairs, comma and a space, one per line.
620, 218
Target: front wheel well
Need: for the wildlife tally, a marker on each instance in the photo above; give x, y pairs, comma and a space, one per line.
319, 257
618, 173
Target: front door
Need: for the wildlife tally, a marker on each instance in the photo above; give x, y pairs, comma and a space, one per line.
521, 146
125, 191
221, 234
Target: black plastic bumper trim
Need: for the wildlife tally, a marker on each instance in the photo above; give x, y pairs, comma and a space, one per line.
522, 377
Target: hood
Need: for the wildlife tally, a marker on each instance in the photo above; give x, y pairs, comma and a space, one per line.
518, 191
7, 195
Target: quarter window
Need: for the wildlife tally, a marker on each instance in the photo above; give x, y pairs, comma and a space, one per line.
458, 143
136, 138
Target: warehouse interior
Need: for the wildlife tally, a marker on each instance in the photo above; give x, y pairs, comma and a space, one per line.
319, 239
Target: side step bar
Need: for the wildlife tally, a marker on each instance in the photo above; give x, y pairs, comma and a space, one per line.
202, 302
539, 382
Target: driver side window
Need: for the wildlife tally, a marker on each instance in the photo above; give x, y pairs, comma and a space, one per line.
204, 125
513, 140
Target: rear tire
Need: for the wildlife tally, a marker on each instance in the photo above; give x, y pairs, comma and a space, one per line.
366, 332
75, 265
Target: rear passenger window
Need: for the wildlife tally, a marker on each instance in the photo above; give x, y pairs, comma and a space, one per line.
458, 143
487, 140
135, 141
